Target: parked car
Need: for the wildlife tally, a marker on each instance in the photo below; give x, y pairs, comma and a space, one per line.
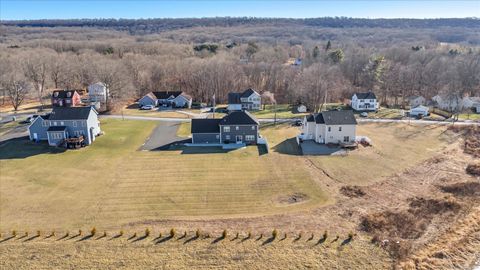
297, 123
147, 107
364, 114
30, 119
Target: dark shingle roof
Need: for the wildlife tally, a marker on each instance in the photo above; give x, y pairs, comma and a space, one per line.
368, 95
234, 98
57, 128
166, 94
63, 93
339, 118
333, 118
205, 125
248, 93
239, 118
70, 113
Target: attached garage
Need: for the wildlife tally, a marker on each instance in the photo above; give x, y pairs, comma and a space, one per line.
205, 131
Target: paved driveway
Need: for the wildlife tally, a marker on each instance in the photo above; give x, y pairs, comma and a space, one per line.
163, 136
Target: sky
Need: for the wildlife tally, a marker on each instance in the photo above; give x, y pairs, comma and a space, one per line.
76, 9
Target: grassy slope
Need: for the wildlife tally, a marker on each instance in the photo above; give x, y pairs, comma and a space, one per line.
283, 111
111, 183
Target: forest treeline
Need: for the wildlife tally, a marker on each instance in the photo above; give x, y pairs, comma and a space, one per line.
212, 60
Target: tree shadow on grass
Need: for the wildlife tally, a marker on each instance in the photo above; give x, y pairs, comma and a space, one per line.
335, 240
101, 236
22, 237
246, 238
165, 239
346, 241
193, 238
218, 239
20, 148
296, 239
132, 237
63, 237
140, 238
6, 239
268, 241
86, 237
115, 236
321, 241
31, 238
74, 236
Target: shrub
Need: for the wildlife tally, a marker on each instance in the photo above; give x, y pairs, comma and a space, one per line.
172, 232
67, 234
473, 169
14, 233
197, 233
160, 235
38, 233
52, 234
104, 233
350, 236
325, 234
134, 235
249, 235
236, 235
93, 231
274, 233
80, 232
147, 232
224, 234
120, 233
26, 234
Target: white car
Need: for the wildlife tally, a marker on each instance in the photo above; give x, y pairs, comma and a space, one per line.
364, 114
147, 107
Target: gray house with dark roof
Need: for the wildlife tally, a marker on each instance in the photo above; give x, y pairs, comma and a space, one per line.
335, 127
246, 100
66, 122
237, 127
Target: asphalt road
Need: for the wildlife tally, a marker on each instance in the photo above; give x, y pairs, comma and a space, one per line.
162, 136
270, 120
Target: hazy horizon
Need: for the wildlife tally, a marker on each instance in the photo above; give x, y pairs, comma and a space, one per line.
61, 9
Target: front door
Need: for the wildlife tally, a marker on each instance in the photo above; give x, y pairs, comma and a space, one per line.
239, 138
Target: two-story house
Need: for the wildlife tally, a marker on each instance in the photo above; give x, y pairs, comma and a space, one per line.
237, 127
63, 123
364, 102
98, 95
65, 98
246, 100
337, 127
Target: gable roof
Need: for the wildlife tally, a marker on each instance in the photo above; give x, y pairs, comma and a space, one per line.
186, 96
333, 118
70, 113
56, 128
239, 118
166, 94
63, 93
234, 98
205, 125
248, 93
367, 95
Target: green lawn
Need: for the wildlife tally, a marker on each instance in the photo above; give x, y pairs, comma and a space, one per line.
471, 116
283, 111
184, 130
111, 184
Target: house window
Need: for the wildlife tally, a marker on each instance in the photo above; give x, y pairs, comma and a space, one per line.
329, 129
54, 123
74, 123
83, 123
62, 123
236, 127
226, 129
217, 136
44, 123
253, 127
339, 128
249, 137
227, 137
346, 139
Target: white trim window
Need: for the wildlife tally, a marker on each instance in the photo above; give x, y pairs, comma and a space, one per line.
226, 129
44, 123
74, 123
62, 123
249, 137
54, 123
227, 137
329, 129
339, 128
236, 127
253, 127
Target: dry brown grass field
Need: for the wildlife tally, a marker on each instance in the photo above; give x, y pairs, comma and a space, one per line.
113, 186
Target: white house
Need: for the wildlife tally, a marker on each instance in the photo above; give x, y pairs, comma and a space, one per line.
247, 100
301, 108
364, 102
330, 127
171, 98
415, 101
419, 111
